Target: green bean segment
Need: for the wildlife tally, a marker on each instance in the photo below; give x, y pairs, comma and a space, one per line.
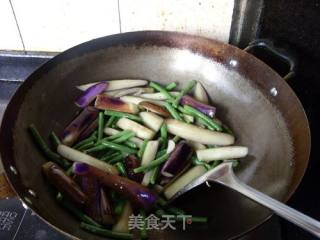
123, 115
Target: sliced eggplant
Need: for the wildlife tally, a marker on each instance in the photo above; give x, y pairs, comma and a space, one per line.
117, 84
135, 192
154, 108
198, 134
73, 131
77, 156
151, 120
221, 153
140, 130
200, 93
90, 94
178, 160
104, 102
66, 185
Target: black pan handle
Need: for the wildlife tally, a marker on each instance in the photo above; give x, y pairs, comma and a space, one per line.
281, 53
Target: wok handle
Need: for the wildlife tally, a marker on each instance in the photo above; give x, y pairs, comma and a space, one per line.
309, 224
5, 188
279, 52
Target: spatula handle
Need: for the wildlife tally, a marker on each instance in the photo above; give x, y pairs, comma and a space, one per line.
309, 224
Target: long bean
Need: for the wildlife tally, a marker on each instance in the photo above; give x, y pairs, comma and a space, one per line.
76, 212
96, 148
205, 124
154, 175
105, 232
142, 148
164, 132
172, 111
118, 147
160, 153
124, 137
111, 120
46, 150
108, 156
116, 159
184, 91
209, 121
161, 89
123, 115
117, 135
176, 139
130, 144
226, 129
54, 139
121, 168
152, 164
171, 86
196, 161
100, 126
86, 146
85, 141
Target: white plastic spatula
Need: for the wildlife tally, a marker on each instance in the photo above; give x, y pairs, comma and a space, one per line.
224, 175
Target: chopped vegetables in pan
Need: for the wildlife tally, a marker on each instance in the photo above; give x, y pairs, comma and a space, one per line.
133, 145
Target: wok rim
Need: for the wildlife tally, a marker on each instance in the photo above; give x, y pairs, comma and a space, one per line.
86, 47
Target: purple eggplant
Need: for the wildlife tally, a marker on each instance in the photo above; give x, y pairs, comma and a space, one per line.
98, 205
178, 160
105, 102
56, 176
90, 94
131, 162
72, 132
90, 129
206, 109
139, 195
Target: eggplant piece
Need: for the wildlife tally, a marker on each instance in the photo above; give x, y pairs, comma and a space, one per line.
151, 120
220, 153
140, 130
131, 162
184, 180
198, 134
57, 177
90, 129
155, 108
129, 91
117, 84
135, 192
98, 206
77, 156
90, 94
200, 93
206, 109
178, 160
73, 131
104, 102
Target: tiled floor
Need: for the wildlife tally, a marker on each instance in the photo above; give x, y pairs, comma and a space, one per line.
47, 25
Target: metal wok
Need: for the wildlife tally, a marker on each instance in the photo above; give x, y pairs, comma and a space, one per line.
254, 100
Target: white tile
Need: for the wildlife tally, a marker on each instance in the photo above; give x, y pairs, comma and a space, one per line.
9, 34
210, 18
48, 25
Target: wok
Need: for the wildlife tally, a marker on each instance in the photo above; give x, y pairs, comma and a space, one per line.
250, 97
